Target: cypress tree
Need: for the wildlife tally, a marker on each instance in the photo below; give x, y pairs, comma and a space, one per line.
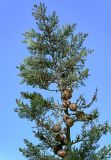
57, 64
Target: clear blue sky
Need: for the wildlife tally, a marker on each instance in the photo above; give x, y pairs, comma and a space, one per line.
92, 16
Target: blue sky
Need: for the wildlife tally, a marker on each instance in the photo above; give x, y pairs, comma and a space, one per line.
92, 16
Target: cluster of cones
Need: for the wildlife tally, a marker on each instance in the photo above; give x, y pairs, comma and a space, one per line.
61, 141
66, 95
60, 137
80, 115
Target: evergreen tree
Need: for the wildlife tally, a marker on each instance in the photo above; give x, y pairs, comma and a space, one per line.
57, 59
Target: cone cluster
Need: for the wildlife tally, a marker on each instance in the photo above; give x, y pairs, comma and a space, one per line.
60, 137
66, 104
61, 141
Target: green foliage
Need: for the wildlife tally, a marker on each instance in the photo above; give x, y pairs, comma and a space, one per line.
36, 108
58, 56
33, 152
102, 154
57, 53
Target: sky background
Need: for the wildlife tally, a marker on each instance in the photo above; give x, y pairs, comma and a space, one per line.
92, 16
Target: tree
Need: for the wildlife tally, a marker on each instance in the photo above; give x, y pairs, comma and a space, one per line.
57, 60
